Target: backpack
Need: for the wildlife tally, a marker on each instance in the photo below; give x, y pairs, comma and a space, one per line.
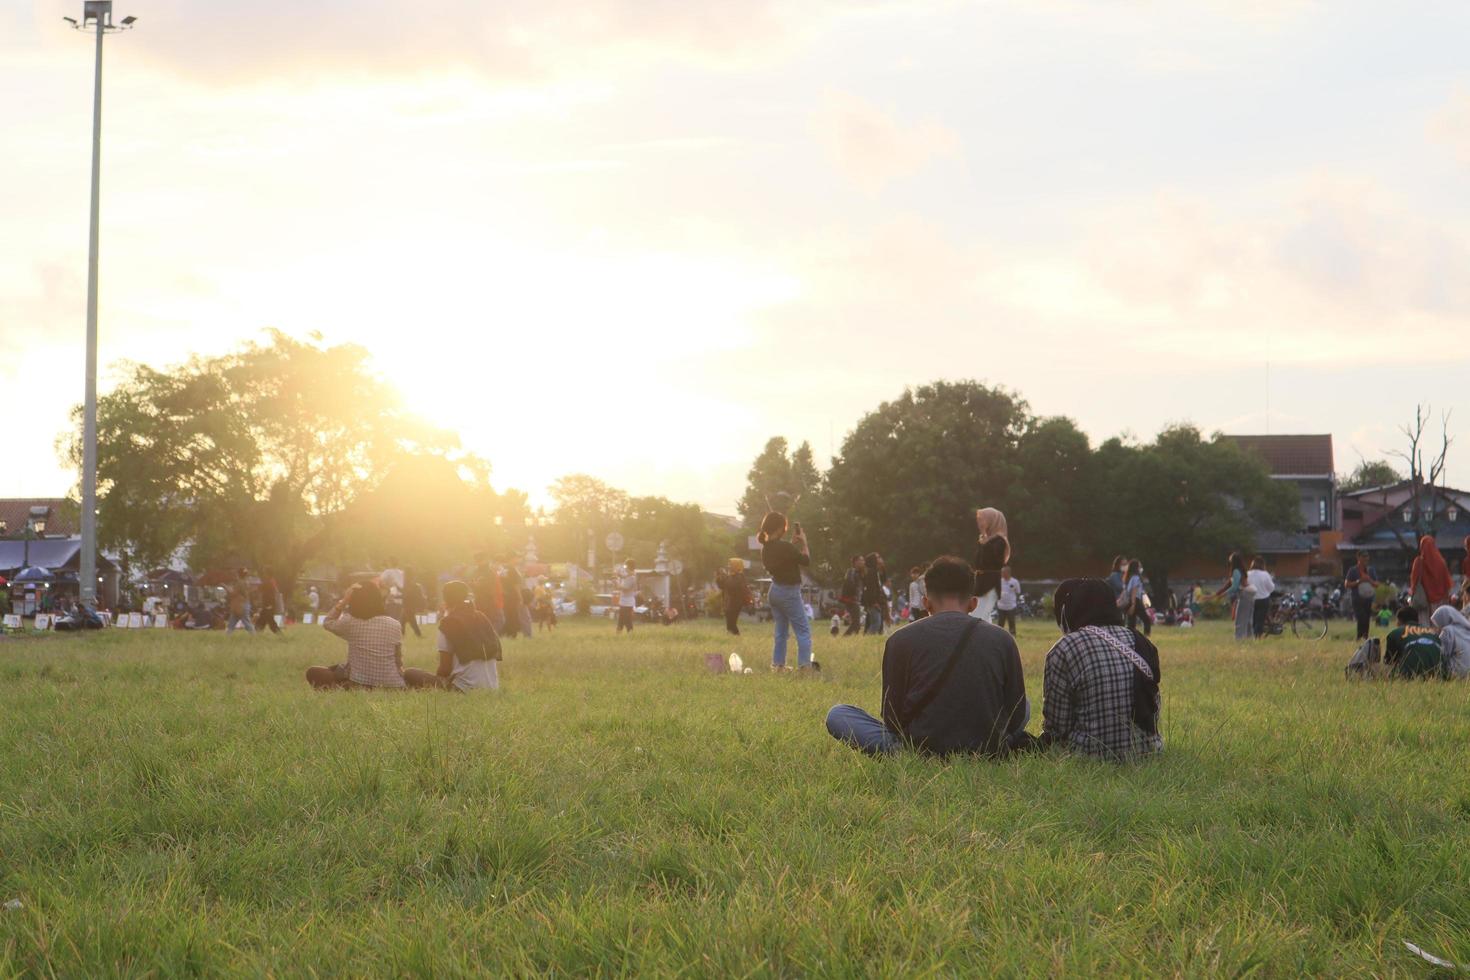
1368, 655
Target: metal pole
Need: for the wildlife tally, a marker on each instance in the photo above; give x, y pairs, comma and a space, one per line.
88, 571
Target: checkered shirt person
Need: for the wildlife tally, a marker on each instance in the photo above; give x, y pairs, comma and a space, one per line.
372, 648
1087, 695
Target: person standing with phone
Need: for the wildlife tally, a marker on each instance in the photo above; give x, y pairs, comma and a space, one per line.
784, 561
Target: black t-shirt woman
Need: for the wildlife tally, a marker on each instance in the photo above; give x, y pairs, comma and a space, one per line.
784, 561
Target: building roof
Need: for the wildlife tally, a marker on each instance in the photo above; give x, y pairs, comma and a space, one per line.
1285, 543
60, 518
49, 553
1291, 455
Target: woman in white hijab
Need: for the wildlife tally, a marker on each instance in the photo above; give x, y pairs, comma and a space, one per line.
1454, 640
991, 555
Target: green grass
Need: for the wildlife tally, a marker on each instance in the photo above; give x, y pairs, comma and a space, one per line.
182, 803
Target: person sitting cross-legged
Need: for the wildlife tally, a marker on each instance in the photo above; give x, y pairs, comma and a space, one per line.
469, 647
951, 683
1412, 650
374, 643
1100, 691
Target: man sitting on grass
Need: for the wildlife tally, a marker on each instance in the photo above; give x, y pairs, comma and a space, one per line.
1413, 650
951, 683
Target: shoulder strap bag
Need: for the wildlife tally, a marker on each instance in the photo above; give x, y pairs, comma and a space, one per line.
927, 698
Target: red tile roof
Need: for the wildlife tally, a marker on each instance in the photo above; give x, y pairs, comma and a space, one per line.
1291, 455
60, 519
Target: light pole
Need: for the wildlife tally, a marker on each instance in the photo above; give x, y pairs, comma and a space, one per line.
97, 15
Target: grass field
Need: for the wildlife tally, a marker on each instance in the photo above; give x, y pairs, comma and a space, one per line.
181, 803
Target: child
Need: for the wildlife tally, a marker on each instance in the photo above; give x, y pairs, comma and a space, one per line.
836, 623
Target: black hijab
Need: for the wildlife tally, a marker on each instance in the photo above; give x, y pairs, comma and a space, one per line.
1081, 602
470, 633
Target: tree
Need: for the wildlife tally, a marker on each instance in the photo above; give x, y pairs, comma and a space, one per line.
913, 471
1369, 473
588, 507
1051, 510
770, 476
1184, 496
253, 455
432, 512
1426, 475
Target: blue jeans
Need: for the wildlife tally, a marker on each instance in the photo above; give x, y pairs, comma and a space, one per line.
790, 613
243, 619
857, 728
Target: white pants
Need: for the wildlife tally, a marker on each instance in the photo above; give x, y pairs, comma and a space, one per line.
985, 607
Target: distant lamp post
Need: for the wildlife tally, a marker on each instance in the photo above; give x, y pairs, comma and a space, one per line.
97, 17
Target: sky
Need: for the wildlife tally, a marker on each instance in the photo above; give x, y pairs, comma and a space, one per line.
637, 238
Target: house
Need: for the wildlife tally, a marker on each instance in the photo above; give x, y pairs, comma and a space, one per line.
1385, 522
49, 517
1306, 462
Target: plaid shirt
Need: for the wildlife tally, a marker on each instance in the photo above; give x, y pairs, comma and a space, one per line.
372, 648
1087, 696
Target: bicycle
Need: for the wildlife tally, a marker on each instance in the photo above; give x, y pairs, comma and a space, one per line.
1307, 622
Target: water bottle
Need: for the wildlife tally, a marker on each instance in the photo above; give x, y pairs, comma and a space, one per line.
736, 664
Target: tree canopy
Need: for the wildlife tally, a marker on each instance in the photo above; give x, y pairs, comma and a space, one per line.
252, 455
914, 470
1369, 473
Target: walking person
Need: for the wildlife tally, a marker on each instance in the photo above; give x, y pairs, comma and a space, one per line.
784, 561
1009, 601
735, 594
917, 592
412, 601
873, 597
1131, 601
852, 591
1238, 590
992, 553
238, 599
512, 600
1117, 578
270, 597
627, 596
1362, 584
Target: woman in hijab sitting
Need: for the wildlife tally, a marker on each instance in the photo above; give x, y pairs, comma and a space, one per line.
469, 648
1100, 691
1454, 640
992, 553
1430, 584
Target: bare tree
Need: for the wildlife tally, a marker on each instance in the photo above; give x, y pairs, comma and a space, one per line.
1426, 475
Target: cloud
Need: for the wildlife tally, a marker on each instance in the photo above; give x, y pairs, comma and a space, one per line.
1450, 126
873, 148
524, 40
1319, 272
